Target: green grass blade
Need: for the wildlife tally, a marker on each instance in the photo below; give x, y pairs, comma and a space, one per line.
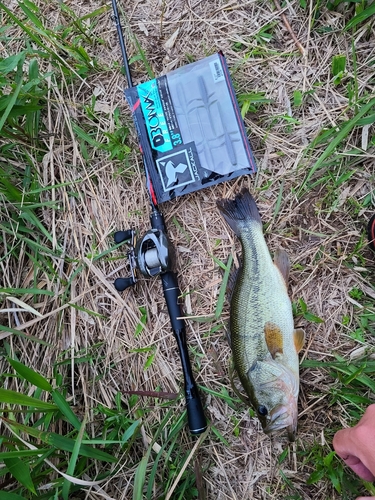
201, 319
173, 436
14, 95
338, 68
31, 16
367, 381
63, 442
73, 460
219, 262
88, 311
81, 134
10, 191
23, 335
30, 375
368, 120
219, 435
370, 488
150, 73
130, 431
351, 370
224, 395
33, 206
15, 398
355, 375
22, 453
104, 442
31, 6
361, 17
10, 63
41, 248
6, 495
66, 410
142, 55
140, 476
20, 470
30, 217
355, 399
95, 13
346, 129
278, 201
223, 288
24, 291
33, 37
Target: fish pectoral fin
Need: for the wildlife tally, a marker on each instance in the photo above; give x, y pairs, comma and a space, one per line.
299, 338
282, 262
274, 339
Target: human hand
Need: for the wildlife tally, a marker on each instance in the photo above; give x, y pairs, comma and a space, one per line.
356, 446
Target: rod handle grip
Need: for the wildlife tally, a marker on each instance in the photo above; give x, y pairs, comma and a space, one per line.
195, 414
196, 418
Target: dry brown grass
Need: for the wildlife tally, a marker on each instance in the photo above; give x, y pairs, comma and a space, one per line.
318, 235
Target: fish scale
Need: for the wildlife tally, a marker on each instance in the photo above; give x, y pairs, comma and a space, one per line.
263, 339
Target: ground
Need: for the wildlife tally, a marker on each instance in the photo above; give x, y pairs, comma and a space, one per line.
308, 110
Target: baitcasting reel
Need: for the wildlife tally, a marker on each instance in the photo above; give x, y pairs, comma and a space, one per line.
152, 255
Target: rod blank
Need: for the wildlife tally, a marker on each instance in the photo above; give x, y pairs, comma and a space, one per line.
122, 43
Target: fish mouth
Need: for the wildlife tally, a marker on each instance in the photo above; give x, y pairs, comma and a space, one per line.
283, 417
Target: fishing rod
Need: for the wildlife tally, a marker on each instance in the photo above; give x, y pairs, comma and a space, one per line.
153, 255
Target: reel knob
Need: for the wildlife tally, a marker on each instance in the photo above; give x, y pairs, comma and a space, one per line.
121, 236
122, 284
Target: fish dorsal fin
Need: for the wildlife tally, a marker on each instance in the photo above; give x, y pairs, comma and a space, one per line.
281, 261
274, 339
299, 338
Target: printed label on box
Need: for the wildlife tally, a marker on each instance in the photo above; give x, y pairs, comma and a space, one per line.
179, 168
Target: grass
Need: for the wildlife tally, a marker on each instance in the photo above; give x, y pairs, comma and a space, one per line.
91, 401
351, 389
32, 450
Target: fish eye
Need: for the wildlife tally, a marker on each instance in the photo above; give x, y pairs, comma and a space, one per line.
262, 410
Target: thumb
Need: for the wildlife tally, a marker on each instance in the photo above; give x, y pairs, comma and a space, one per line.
346, 448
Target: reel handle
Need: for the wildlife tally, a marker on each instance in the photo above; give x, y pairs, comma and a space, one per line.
196, 418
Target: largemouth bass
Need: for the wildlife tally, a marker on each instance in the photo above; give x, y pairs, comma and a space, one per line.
264, 342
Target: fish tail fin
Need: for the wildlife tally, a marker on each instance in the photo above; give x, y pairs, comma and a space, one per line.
238, 210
